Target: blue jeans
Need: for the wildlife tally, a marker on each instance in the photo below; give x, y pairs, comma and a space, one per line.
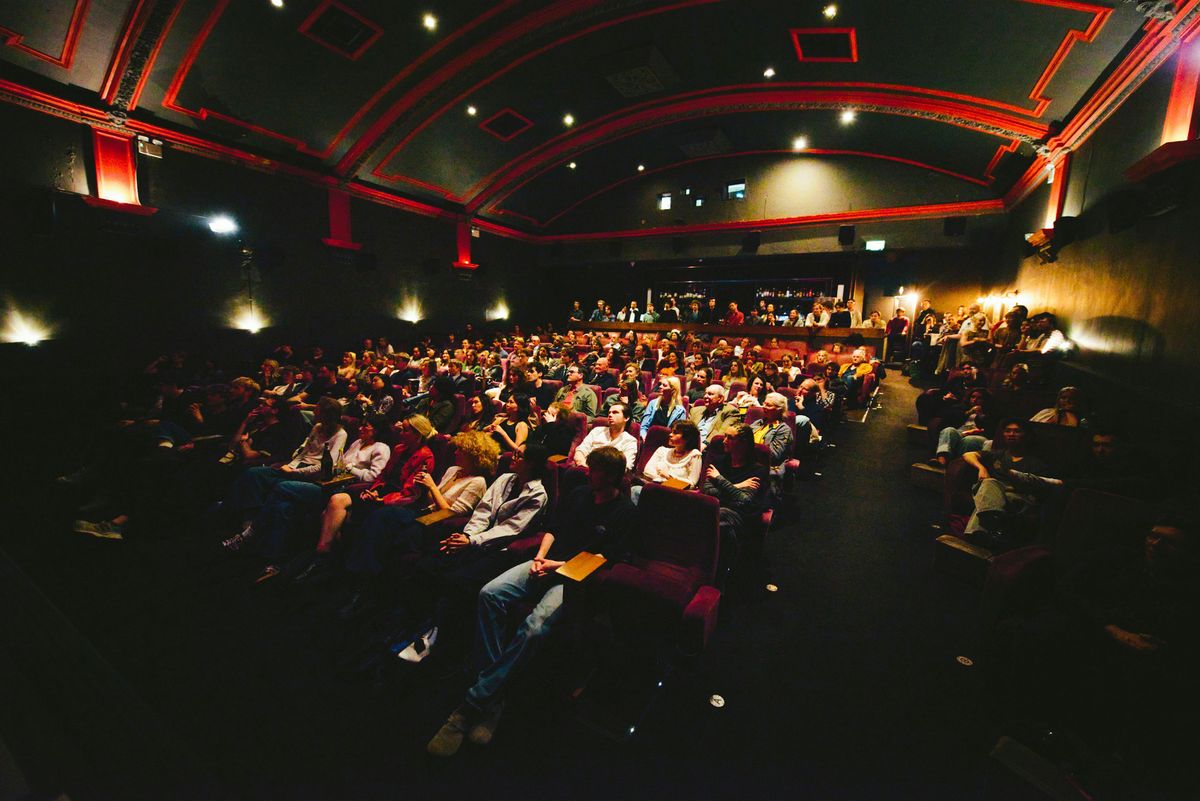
288, 501
251, 489
385, 529
499, 659
953, 444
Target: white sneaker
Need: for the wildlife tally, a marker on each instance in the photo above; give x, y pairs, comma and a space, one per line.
420, 647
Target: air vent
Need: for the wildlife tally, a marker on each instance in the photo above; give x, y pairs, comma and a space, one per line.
638, 72
506, 125
341, 29
825, 44
698, 144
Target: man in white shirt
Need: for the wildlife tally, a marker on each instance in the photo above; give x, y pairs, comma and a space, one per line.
855, 314
614, 434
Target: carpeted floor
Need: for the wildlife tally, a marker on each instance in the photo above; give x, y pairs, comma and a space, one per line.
843, 684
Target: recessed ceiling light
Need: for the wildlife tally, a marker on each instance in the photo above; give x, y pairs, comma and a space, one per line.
641, 168
222, 224
571, 166
876, 245
769, 72
800, 143
830, 11
472, 110
430, 22
848, 116
277, 3
568, 120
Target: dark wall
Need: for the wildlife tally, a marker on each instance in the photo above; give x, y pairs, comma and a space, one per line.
1126, 287
777, 186
166, 277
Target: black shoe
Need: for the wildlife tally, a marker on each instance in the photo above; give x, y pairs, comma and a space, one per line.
358, 605
316, 571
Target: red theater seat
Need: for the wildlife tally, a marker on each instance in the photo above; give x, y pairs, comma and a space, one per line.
668, 588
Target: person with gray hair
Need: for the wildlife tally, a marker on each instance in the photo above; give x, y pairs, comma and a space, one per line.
714, 415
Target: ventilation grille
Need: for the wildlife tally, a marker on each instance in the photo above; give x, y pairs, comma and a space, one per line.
506, 125
825, 44
341, 29
698, 144
638, 72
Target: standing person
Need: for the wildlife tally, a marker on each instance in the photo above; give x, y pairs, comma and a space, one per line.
711, 314
818, 317
896, 333
855, 315
576, 315
921, 321
840, 317
669, 313
596, 518
733, 316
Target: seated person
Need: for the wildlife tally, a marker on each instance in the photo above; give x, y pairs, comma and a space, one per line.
392, 529
754, 395
364, 460
248, 493
630, 394
539, 390
817, 402
600, 376
699, 384
714, 416
1006, 499
580, 397
1067, 410
555, 432
438, 405
595, 518
511, 428
970, 435
772, 431
613, 435
679, 459
855, 372
741, 484
476, 419
1113, 654
667, 408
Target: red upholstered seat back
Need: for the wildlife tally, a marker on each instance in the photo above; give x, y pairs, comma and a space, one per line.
444, 453
460, 413
579, 425
680, 529
656, 437
555, 385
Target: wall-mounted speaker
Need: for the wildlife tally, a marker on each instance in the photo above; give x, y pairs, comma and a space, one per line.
751, 241
845, 235
954, 226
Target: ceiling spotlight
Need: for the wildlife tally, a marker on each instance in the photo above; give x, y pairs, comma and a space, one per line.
829, 11
430, 22
568, 120
769, 72
277, 3
800, 143
471, 110
222, 224
641, 168
571, 166
848, 116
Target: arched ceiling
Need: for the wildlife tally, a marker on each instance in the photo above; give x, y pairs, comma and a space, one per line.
361, 92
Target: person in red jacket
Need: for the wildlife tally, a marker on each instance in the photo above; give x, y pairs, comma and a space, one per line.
734, 317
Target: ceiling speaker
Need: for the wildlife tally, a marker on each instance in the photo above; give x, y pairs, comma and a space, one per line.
845, 235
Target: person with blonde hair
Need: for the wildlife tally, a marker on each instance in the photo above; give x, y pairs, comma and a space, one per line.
667, 408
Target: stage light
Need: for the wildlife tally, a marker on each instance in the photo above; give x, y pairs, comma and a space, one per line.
22, 328
472, 111
222, 224
430, 22
800, 143
848, 116
497, 312
568, 120
830, 11
876, 244
249, 319
572, 166
769, 72
277, 3
410, 309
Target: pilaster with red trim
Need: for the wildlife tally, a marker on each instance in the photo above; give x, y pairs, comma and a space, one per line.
1058, 189
339, 222
116, 172
463, 239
